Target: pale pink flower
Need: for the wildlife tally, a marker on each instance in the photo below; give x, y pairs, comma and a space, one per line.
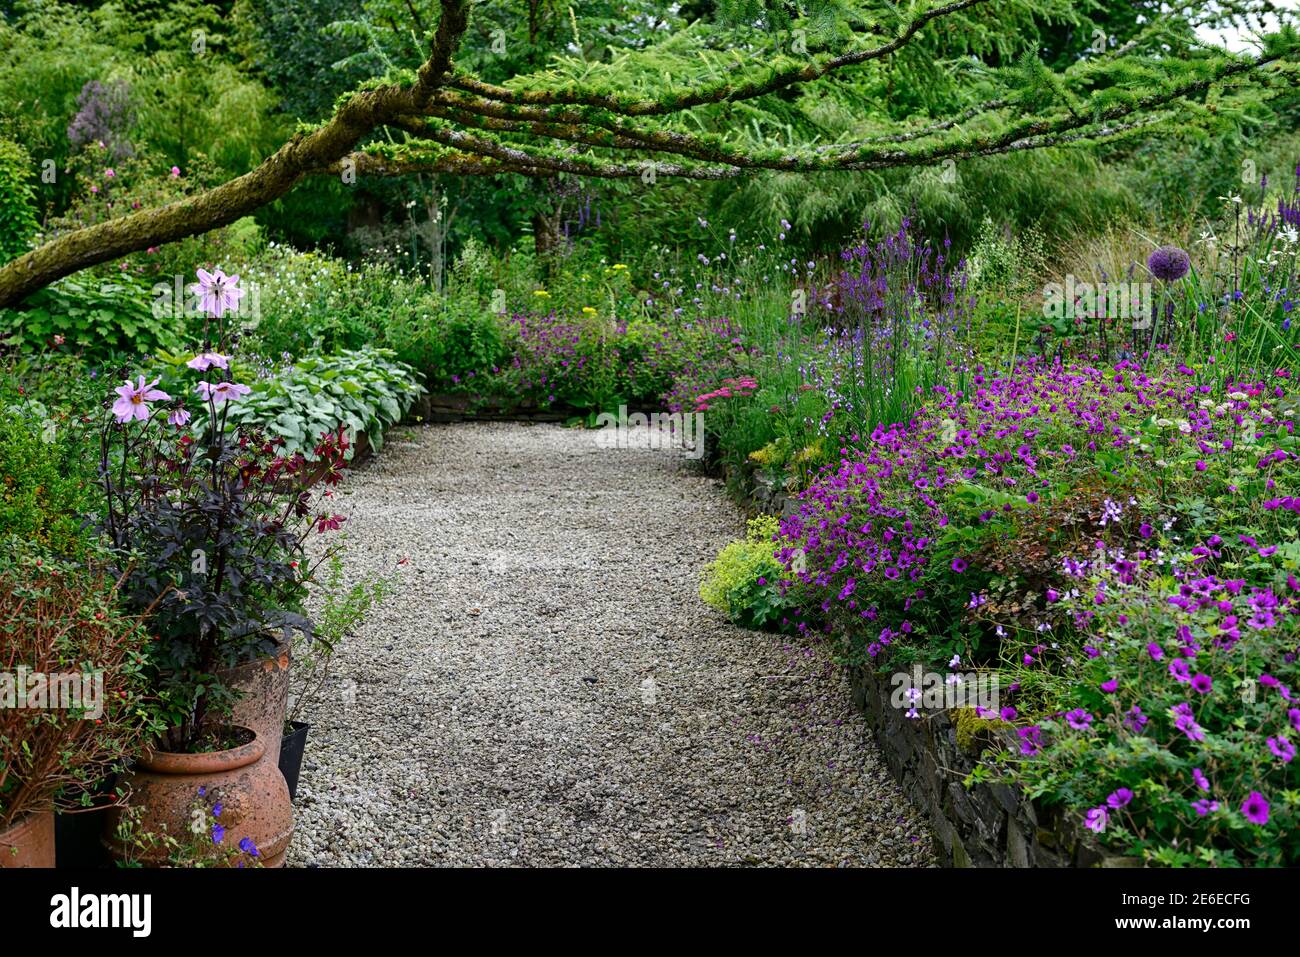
176, 171
218, 292
109, 174
178, 417
222, 391
207, 360
132, 400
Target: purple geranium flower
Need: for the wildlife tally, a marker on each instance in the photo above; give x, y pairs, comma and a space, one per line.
1095, 819
1255, 808
1119, 798
1078, 719
1282, 748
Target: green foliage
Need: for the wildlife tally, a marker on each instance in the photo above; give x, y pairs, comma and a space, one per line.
18, 222
742, 581
343, 609
46, 483
363, 391
100, 319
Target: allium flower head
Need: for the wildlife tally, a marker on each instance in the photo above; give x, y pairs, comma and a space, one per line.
1169, 263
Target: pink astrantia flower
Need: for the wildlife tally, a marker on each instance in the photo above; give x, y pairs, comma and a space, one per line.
207, 360
218, 292
222, 391
132, 400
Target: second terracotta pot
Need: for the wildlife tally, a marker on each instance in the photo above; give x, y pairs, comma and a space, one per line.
264, 699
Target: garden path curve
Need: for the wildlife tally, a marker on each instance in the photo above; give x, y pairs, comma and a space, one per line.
546, 687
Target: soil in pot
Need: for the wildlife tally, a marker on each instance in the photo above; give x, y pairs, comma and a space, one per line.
292, 746
29, 841
164, 786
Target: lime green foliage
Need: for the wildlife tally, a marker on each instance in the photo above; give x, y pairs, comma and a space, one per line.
742, 581
17, 201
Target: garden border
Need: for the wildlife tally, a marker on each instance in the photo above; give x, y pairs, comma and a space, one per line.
986, 825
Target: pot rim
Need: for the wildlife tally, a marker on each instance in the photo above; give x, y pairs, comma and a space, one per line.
205, 762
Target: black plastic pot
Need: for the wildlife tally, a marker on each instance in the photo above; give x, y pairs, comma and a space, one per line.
76, 836
292, 746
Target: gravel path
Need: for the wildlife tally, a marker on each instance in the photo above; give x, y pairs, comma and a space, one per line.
547, 688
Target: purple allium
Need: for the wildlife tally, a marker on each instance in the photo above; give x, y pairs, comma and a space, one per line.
1169, 263
1255, 808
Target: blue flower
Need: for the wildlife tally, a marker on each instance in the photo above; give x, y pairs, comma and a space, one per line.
218, 833
248, 847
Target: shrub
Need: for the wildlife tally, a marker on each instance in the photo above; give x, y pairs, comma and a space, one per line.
46, 490
18, 223
100, 319
742, 582
63, 622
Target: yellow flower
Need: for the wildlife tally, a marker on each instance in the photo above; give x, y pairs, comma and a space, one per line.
619, 266
588, 311
540, 292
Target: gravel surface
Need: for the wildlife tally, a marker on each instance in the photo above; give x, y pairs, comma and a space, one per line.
547, 688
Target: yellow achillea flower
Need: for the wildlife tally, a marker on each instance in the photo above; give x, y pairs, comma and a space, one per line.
540, 292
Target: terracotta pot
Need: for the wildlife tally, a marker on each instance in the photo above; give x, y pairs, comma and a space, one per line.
29, 841
265, 699
254, 798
